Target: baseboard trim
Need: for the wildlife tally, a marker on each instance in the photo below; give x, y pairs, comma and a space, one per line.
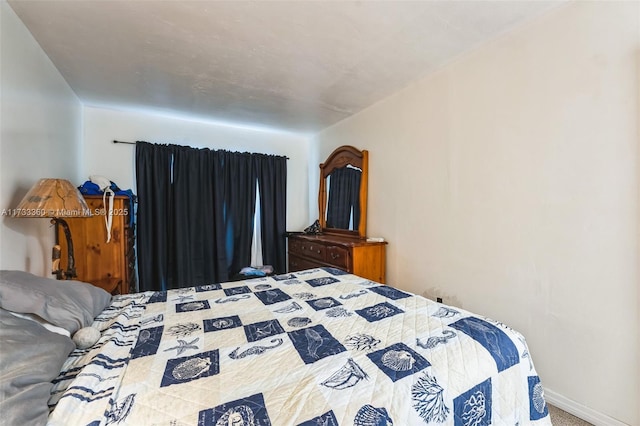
585, 413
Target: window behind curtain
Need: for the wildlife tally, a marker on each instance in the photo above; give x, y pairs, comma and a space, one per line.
195, 204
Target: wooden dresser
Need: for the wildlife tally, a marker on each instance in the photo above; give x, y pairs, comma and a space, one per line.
350, 253
108, 265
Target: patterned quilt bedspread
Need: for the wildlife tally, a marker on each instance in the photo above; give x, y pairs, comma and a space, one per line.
316, 347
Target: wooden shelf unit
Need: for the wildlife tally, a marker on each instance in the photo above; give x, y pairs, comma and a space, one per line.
98, 262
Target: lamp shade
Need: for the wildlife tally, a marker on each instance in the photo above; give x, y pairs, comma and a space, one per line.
52, 198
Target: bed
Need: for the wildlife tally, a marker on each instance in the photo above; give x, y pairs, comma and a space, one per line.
315, 347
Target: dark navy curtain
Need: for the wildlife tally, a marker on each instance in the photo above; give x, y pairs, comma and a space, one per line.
153, 179
344, 198
196, 254
272, 182
240, 181
196, 210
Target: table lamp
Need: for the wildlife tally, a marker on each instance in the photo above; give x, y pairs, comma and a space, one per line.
55, 199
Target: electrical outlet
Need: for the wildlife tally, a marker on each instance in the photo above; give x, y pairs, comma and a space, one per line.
439, 299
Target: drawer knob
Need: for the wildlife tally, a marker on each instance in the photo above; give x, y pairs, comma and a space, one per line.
334, 256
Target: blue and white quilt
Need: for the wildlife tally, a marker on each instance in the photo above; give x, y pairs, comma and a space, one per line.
316, 347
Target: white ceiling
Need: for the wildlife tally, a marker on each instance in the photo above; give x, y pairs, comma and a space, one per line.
294, 65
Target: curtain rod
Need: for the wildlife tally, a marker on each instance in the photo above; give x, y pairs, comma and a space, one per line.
133, 143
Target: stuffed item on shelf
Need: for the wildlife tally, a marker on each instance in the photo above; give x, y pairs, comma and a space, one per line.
313, 228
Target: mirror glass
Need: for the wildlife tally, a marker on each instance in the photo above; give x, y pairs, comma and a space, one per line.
343, 192
343, 198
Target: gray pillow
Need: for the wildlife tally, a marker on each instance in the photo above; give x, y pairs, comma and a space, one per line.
30, 358
71, 305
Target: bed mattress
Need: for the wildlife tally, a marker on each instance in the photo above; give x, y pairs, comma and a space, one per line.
316, 347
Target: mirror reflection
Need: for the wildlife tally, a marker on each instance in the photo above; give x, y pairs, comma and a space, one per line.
343, 198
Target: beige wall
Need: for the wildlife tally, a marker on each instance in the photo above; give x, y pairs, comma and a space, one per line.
507, 183
40, 132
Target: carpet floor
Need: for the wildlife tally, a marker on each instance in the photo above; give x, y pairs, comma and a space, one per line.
562, 418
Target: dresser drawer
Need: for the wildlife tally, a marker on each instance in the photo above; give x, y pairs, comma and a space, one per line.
295, 246
298, 263
312, 249
351, 254
337, 256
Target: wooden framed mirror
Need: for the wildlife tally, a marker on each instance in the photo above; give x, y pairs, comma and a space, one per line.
342, 198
